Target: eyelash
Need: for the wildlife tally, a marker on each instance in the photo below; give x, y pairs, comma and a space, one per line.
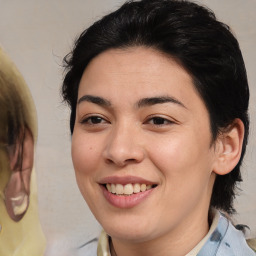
156, 120
91, 120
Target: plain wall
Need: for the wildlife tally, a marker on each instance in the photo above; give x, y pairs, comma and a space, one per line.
37, 35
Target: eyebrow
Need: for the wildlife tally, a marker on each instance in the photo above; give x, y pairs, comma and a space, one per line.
95, 99
150, 101
158, 100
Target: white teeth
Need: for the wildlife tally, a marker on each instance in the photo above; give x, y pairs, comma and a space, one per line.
119, 189
149, 187
109, 187
113, 188
136, 188
127, 189
143, 187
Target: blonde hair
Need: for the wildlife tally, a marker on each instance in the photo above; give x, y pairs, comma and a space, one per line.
17, 113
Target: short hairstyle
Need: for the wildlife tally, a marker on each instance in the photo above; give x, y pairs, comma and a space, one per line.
202, 45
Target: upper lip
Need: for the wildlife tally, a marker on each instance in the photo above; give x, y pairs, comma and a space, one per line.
125, 180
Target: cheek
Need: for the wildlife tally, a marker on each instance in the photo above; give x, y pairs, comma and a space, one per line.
85, 155
185, 170
182, 159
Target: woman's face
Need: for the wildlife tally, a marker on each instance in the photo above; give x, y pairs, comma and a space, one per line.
141, 145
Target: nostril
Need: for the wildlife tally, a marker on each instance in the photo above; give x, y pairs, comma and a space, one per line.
109, 161
131, 160
120, 162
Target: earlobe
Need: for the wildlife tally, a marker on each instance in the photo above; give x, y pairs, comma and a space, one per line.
18, 188
229, 148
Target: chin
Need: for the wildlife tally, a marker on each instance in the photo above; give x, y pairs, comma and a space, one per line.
129, 230
135, 236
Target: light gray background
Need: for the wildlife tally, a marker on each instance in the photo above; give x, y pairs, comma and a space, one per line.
37, 34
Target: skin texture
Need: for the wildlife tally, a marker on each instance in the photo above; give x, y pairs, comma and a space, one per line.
168, 144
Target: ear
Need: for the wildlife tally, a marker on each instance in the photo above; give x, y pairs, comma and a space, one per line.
229, 147
18, 188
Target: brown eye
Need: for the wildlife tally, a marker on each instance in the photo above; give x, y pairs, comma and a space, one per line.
159, 121
93, 120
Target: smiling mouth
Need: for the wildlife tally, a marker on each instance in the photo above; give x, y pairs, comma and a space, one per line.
128, 189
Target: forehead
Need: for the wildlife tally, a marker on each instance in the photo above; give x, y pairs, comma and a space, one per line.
136, 72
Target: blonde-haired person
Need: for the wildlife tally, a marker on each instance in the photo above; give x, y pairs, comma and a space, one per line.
20, 229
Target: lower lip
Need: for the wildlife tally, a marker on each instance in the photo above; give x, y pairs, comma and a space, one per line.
121, 201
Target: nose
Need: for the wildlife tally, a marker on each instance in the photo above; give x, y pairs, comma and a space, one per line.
123, 147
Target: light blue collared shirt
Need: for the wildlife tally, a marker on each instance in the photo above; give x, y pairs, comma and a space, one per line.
226, 240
